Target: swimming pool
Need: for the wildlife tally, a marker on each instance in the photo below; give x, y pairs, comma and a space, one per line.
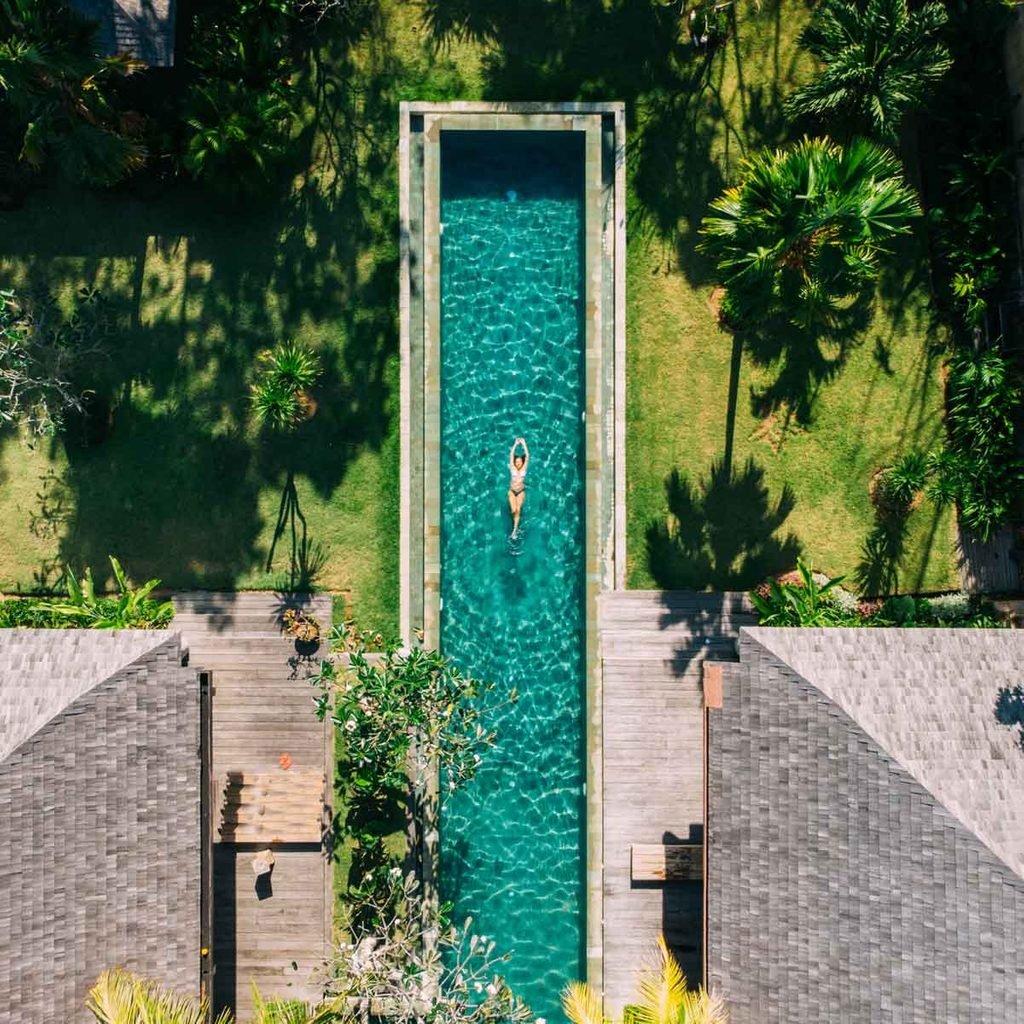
512, 319
512, 610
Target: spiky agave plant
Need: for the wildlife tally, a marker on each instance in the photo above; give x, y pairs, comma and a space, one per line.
279, 394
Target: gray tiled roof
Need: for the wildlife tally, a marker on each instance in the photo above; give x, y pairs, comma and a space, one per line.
44, 670
99, 818
841, 887
927, 697
143, 28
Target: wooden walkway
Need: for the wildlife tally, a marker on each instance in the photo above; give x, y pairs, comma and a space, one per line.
273, 932
652, 646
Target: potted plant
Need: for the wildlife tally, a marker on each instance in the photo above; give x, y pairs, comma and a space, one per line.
303, 627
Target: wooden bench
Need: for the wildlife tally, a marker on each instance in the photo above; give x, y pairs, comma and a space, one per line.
658, 862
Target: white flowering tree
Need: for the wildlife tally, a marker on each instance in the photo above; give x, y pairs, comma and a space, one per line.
411, 968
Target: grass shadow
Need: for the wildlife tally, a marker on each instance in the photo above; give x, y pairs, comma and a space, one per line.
722, 533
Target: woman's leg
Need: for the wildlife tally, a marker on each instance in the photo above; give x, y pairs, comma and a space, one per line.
515, 502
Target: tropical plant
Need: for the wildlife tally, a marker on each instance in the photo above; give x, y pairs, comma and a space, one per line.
40, 354
419, 966
404, 712
803, 602
119, 997
971, 161
241, 110
61, 97
802, 233
663, 997
238, 134
880, 58
979, 468
122, 998
129, 608
280, 393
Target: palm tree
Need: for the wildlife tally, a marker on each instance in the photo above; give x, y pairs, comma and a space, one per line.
122, 998
60, 94
800, 236
119, 997
879, 60
663, 997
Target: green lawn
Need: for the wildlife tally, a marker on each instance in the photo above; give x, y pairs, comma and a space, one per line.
185, 489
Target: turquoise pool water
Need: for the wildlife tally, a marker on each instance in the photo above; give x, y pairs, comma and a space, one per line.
513, 842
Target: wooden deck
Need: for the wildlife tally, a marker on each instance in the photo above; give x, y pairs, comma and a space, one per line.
653, 645
277, 933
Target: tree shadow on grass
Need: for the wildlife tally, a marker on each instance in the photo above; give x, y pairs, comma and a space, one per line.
306, 558
197, 290
802, 358
723, 533
635, 51
881, 558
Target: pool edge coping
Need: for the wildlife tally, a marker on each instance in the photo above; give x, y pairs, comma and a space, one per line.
610, 568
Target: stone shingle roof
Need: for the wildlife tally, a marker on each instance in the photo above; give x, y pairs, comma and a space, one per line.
143, 28
865, 829
99, 817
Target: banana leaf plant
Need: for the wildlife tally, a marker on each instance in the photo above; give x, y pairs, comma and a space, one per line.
806, 603
129, 608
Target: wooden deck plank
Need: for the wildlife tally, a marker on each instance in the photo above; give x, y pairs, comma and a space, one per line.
262, 709
653, 645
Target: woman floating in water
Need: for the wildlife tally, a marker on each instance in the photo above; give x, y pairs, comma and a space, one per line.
517, 463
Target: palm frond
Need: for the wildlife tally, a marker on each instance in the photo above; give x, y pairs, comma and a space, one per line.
661, 989
581, 1004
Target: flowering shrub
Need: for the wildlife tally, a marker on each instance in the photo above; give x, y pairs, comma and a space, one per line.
411, 967
806, 598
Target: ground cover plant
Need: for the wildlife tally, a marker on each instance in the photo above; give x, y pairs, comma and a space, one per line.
187, 481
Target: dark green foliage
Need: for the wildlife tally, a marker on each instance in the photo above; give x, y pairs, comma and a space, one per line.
880, 58
800, 237
967, 158
242, 108
981, 467
30, 613
59, 104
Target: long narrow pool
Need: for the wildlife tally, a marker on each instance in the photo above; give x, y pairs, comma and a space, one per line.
512, 342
